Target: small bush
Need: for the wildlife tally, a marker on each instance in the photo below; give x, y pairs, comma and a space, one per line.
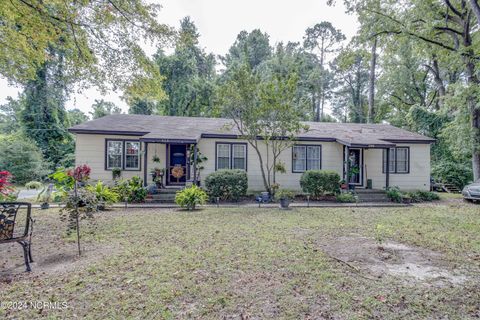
284, 194
394, 194
320, 182
104, 193
34, 185
419, 196
346, 197
458, 174
131, 189
227, 184
191, 197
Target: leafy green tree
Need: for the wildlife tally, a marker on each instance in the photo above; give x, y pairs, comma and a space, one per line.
141, 107
99, 38
252, 48
44, 118
22, 158
189, 75
102, 108
322, 39
263, 108
10, 115
351, 70
76, 116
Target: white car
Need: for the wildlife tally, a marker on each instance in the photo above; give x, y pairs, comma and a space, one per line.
472, 191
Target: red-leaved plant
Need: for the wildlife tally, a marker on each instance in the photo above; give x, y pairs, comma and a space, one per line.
5, 185
80, 173
80, 203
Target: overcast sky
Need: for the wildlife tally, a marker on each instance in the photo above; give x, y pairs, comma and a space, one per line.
219, 22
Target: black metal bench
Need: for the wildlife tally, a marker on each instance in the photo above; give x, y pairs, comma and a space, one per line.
8, 221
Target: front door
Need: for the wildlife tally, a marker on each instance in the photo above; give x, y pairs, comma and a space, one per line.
355, 159
177, 169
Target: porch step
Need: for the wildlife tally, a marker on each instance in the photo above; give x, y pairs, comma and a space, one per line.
371, 195
165, 195
450, 188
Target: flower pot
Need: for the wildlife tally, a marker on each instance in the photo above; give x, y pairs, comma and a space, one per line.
101, 206
284, 203
344, 186
45, 206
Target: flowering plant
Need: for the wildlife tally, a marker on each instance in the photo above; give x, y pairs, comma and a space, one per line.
5, 185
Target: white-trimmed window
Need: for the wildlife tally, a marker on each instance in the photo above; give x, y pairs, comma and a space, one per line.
223, 156
123, 154
239, 152
306, 158
231, 156
132, 155
399, 160
114, 154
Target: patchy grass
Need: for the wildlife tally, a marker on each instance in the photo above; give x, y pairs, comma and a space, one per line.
240, 263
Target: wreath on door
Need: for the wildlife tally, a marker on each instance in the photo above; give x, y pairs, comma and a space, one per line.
177, 172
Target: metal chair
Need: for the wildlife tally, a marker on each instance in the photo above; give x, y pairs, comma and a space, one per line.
8, 216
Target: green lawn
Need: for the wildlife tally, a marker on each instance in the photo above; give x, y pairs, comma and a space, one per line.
244, 262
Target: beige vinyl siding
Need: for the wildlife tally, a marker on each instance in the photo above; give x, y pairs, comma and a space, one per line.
331, 160
90, 150
417, 179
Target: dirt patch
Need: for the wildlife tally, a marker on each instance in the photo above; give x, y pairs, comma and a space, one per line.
59, 259
411, 264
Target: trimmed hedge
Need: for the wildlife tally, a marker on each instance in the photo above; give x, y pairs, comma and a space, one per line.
227, 184
320, 182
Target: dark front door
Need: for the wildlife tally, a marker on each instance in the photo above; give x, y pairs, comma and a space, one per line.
177, 171
355, 158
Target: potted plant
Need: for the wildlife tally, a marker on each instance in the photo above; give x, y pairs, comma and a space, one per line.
285, 197
351, 173
44, 197
157, 176
156, 159
116, 173
199, 163
343, 185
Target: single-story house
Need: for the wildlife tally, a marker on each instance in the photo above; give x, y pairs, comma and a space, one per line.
132, 142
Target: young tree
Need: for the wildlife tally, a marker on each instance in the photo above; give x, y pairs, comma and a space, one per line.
263, 108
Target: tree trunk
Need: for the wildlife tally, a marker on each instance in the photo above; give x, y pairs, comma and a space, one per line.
371, 83
262, 169
474, 109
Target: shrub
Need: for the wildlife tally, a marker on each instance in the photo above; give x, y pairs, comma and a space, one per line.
452, 172
131, 189
394, 194
284, 194
22, 158
35, 185
104, 193
320, 182
6, 189
346, 197
227, 184
191, 197
419, 196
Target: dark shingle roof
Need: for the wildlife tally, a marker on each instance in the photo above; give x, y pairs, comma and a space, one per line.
190, 129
